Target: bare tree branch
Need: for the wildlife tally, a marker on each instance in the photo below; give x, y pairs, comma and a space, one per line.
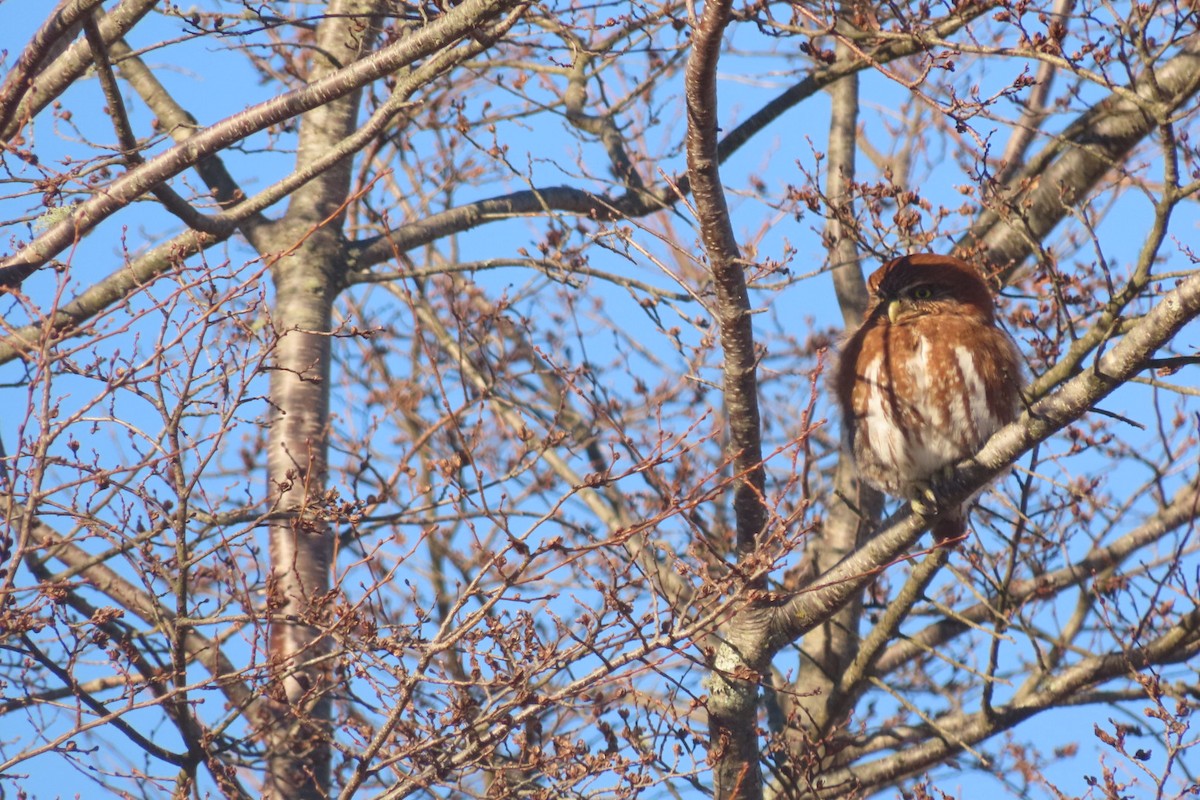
56, 77
455, 24
50, 40
1041, 195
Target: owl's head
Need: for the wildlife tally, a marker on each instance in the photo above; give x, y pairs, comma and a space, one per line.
924, 283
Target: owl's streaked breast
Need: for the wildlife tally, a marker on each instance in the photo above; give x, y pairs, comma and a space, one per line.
922, 398
926, 379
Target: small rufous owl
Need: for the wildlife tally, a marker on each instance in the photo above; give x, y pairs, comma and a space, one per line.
926, 379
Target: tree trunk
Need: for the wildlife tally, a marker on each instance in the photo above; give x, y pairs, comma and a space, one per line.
301, 540
308, 273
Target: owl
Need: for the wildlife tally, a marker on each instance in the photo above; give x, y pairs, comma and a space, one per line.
926, 379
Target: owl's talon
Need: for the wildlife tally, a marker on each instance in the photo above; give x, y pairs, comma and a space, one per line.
924, 503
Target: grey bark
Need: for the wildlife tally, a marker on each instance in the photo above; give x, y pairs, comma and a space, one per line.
51, 80
854, 508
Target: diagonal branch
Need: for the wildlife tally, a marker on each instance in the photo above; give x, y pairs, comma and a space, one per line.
1098, 141
104, 579
181, 126
802, 612
56, 77
129, 144
642, 201
61, 25
245, 216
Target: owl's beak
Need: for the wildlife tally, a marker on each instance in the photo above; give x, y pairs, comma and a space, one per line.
893, 309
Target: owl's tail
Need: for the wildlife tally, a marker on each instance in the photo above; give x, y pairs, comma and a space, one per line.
951, 528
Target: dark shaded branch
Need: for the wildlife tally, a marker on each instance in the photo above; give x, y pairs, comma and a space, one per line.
104, 579
98, 708
129, 144
528, 202
61, 25
375, 250
67, 68
181, 126
603, 127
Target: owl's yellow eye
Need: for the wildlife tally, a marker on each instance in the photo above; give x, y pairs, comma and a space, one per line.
922, 293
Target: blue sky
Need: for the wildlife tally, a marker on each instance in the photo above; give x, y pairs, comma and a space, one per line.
216, 83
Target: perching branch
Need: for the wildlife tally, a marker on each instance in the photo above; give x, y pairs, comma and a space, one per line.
1046, 417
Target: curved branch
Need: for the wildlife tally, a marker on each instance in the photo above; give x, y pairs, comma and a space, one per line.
732, 306
58, 76
104, 579
60, 27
